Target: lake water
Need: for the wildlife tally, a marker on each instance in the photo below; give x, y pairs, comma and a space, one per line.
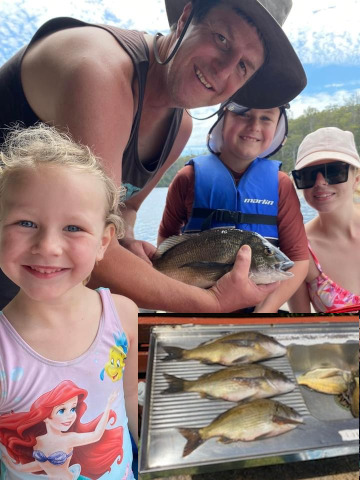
150, 213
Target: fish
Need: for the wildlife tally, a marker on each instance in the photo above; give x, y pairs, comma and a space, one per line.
354, 397
200, 259
256, 420
235, 384
232, 349
328, 380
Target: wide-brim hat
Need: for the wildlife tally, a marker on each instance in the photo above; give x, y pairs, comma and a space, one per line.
281, 77
215, 139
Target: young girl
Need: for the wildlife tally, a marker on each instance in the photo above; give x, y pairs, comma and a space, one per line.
327, 169
61, 342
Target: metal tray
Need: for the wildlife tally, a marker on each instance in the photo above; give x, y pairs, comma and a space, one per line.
328, 429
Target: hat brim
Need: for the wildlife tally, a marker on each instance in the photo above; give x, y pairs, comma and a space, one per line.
281, 78
324, 156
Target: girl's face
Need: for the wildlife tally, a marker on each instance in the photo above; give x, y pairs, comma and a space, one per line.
327, 198
247, 135
52, 230
63, 416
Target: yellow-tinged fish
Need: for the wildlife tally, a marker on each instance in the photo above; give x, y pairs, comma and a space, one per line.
243, 382
326, 380
249, 421
232, 349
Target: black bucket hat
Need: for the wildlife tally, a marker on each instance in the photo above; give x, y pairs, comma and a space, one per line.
281, 78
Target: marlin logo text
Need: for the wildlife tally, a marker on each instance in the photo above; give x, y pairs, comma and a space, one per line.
259, 200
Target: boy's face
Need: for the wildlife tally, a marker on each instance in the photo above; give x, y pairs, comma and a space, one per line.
52, 230
247, 135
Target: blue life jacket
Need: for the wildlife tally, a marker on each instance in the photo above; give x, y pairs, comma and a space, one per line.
250, 205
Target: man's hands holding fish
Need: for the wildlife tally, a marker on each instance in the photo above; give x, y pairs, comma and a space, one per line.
235, 290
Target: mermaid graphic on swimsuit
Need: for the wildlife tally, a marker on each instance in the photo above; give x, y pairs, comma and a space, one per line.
51, 442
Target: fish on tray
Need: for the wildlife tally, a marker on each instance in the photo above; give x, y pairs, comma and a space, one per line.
326, 380
243, 382
354, 397
200, 259
232, 349
246, 422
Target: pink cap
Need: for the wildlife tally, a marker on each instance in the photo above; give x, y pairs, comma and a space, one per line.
328, 143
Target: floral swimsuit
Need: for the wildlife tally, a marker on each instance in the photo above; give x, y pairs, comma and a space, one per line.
326, 296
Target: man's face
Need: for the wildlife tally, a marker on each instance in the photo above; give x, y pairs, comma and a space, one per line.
216, 58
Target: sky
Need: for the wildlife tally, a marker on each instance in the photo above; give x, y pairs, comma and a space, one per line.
324, 33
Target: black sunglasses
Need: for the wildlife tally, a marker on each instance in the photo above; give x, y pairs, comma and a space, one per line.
335, 172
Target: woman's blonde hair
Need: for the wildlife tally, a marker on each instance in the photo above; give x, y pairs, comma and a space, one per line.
42, 145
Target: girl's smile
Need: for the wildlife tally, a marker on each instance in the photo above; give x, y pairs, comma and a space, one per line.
52, 230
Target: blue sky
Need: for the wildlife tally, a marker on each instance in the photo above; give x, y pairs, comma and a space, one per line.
324, 33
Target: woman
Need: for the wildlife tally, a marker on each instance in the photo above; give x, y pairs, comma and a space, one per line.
327, 169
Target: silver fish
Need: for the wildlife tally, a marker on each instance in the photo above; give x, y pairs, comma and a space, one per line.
243, 382
232, 349
200, 259
248, 421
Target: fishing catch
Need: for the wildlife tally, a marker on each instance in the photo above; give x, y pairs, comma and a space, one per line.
200, 259
249, 421
232, 349
326, 380
243, 382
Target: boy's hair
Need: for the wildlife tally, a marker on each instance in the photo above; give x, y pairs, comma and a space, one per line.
42, 145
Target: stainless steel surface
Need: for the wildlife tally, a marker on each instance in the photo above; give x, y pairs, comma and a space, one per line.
328, 431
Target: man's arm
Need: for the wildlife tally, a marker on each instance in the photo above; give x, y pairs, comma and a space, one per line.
125, 273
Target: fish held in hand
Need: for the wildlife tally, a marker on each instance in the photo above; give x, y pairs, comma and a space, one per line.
232, 349
200, 259
246, 422
326, 380
243, 382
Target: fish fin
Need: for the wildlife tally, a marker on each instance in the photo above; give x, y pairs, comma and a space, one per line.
176, 384
284, 420
174, 353
193, 438
171, 242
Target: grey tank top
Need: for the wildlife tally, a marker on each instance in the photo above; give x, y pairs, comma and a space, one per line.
15, 108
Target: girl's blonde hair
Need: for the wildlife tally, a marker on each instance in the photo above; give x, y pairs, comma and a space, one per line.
42, 145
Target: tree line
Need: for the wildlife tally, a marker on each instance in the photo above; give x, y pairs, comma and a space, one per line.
346, 117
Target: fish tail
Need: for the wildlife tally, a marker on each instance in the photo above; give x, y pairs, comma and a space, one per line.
174, 353
176, 384
193, 438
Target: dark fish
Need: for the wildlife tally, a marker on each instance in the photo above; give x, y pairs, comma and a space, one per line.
236, 348
249, 421
243, 382
200, 259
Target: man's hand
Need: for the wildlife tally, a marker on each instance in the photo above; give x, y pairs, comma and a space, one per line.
235, 290
140, 248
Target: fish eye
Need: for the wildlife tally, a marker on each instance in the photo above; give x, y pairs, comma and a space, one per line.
268, 251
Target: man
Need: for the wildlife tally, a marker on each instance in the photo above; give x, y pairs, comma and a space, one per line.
118, 92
